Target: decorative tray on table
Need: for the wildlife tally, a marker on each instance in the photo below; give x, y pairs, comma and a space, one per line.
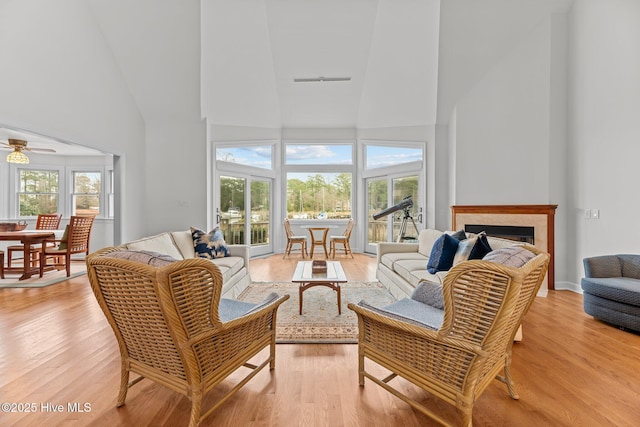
319, 266
13, 226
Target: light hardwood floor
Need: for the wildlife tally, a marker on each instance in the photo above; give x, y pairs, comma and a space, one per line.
56, 348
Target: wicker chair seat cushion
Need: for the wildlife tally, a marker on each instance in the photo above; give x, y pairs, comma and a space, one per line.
621, 289
154, 259
230, 309
410, 311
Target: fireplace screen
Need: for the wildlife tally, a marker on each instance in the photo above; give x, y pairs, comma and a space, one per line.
517, 233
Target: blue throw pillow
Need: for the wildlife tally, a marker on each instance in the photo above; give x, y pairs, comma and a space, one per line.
442, 253
209, 245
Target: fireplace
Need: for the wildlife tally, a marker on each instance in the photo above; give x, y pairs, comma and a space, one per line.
511, 232
506, 220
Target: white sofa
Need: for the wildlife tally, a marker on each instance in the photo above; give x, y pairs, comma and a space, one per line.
402, 266
179, 245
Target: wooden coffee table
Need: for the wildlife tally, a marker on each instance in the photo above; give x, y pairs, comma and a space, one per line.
331, 279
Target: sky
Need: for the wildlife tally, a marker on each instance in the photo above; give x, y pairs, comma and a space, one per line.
335, 154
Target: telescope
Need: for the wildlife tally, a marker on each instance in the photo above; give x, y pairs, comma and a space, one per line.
406, 203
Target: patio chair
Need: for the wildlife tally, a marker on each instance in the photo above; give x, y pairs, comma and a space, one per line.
173, 327
343, 240
455, 348
293, 240
75, 240
44, 222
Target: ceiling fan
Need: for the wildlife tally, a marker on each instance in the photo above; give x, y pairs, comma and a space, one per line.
18, 145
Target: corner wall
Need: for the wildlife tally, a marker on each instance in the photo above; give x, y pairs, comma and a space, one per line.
604, 128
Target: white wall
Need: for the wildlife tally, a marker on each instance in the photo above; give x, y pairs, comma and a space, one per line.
176, 173
502, 129
59, 79
604, 127
508, 134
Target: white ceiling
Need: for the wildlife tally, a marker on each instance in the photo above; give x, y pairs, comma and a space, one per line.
234, 61
252, 51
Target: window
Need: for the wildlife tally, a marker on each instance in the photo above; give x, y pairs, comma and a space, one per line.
38, 193
110, 194
318, 195
379, 156
325, 154
259, 156
86, 193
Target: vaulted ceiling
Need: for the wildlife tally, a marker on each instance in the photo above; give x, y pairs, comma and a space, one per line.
234, 62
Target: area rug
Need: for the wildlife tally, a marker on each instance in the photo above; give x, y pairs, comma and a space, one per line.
319, 322
49, 278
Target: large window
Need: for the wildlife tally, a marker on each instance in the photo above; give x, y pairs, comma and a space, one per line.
38, 192
319, 180
318, 195
86, 193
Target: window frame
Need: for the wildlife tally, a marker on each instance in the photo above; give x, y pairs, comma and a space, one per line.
72, 189
17, 191
320, 168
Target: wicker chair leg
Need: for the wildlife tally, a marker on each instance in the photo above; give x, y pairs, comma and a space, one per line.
124, 386
272, 352
466, 418
361, 367
507, 378
196, 403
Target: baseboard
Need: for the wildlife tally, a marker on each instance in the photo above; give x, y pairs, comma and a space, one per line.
568, 286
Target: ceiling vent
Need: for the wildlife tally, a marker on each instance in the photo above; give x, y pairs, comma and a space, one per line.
322, 79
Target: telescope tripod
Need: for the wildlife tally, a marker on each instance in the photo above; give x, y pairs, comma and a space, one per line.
403, 227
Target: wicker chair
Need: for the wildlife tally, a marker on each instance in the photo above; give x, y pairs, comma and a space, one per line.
484, 303
44, 222
173, 327
293, 240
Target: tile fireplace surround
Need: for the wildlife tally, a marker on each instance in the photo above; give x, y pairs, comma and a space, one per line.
540, 217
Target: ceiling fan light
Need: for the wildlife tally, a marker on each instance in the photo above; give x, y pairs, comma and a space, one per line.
17, 156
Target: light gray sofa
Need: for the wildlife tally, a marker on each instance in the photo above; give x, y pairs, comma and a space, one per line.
402, 266
179, 245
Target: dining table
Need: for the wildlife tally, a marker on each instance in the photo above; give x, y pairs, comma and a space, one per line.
318, 234
27, 238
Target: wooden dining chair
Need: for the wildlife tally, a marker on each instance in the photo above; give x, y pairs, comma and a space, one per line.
1, 265
343, 240
293, 240
74, 241
44, 222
